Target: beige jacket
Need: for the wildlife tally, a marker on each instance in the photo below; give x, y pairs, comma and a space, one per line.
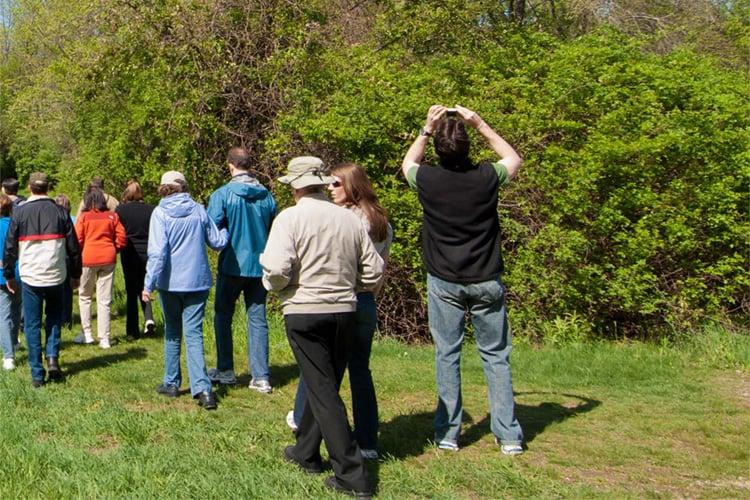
317, 255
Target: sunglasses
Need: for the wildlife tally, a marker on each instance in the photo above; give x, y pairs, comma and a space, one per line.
336, 184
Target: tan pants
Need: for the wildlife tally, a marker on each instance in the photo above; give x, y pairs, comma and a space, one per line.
104, 278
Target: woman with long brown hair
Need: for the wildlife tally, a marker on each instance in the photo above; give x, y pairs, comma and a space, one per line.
352, 189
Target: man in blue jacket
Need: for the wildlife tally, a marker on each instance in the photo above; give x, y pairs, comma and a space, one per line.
246, 209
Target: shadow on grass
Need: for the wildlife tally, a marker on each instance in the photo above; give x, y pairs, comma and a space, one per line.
103, 360
533, 419
282, 375
407, 435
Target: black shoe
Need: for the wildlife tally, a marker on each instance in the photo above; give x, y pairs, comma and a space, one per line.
53, 369
36, 383
332, 483
314, 468
171, 391
207, 400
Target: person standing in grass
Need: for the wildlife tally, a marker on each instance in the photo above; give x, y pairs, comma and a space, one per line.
246, 208
178, 267
10, 303
41, 238
101, 237
351, 189
461, 250
316, 256
67, 319
135, 216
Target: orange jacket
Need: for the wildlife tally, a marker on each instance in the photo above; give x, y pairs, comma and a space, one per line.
101, 236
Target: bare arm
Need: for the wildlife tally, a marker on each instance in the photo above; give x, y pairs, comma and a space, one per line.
416, 151
500, 146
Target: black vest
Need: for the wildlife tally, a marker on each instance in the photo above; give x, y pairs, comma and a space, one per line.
461, 231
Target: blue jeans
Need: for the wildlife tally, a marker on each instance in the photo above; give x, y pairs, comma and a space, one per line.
364, 401
228, 289
34, 299
183, 315
10, 320
447, 304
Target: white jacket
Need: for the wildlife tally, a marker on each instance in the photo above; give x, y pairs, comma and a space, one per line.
317, 256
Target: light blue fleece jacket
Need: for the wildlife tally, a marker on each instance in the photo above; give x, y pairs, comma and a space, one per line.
178, 234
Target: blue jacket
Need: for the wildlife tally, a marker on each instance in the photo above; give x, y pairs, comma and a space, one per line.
4, 225
247, 209
178, 234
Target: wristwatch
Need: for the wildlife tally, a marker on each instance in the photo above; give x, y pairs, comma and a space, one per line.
425, 132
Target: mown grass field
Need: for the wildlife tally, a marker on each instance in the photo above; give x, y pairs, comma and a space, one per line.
603, 420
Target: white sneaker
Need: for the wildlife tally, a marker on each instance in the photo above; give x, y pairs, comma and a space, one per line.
290, 420
150, 327
9, 364
104, 344
510, 449
447, 444
261, 385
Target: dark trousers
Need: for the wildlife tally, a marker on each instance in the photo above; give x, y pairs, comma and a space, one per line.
320, 345
134, 272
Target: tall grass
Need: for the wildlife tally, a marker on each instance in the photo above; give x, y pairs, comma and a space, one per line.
601, 420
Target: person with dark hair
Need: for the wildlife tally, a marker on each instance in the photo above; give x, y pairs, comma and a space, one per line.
10, 187
135, 216
246, 208
351, 188
41, 238
178, 267
461, 250
317, 255
10, 303
101, 237
110, 201
67, 319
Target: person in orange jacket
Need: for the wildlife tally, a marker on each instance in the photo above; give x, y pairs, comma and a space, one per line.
101, 236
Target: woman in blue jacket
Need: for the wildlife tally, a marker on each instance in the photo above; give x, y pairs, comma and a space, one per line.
178, 268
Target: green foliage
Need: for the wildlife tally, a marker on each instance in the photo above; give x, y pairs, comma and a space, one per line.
629, 216
642, 207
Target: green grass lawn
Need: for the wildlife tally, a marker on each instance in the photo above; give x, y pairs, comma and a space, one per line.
609, 420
